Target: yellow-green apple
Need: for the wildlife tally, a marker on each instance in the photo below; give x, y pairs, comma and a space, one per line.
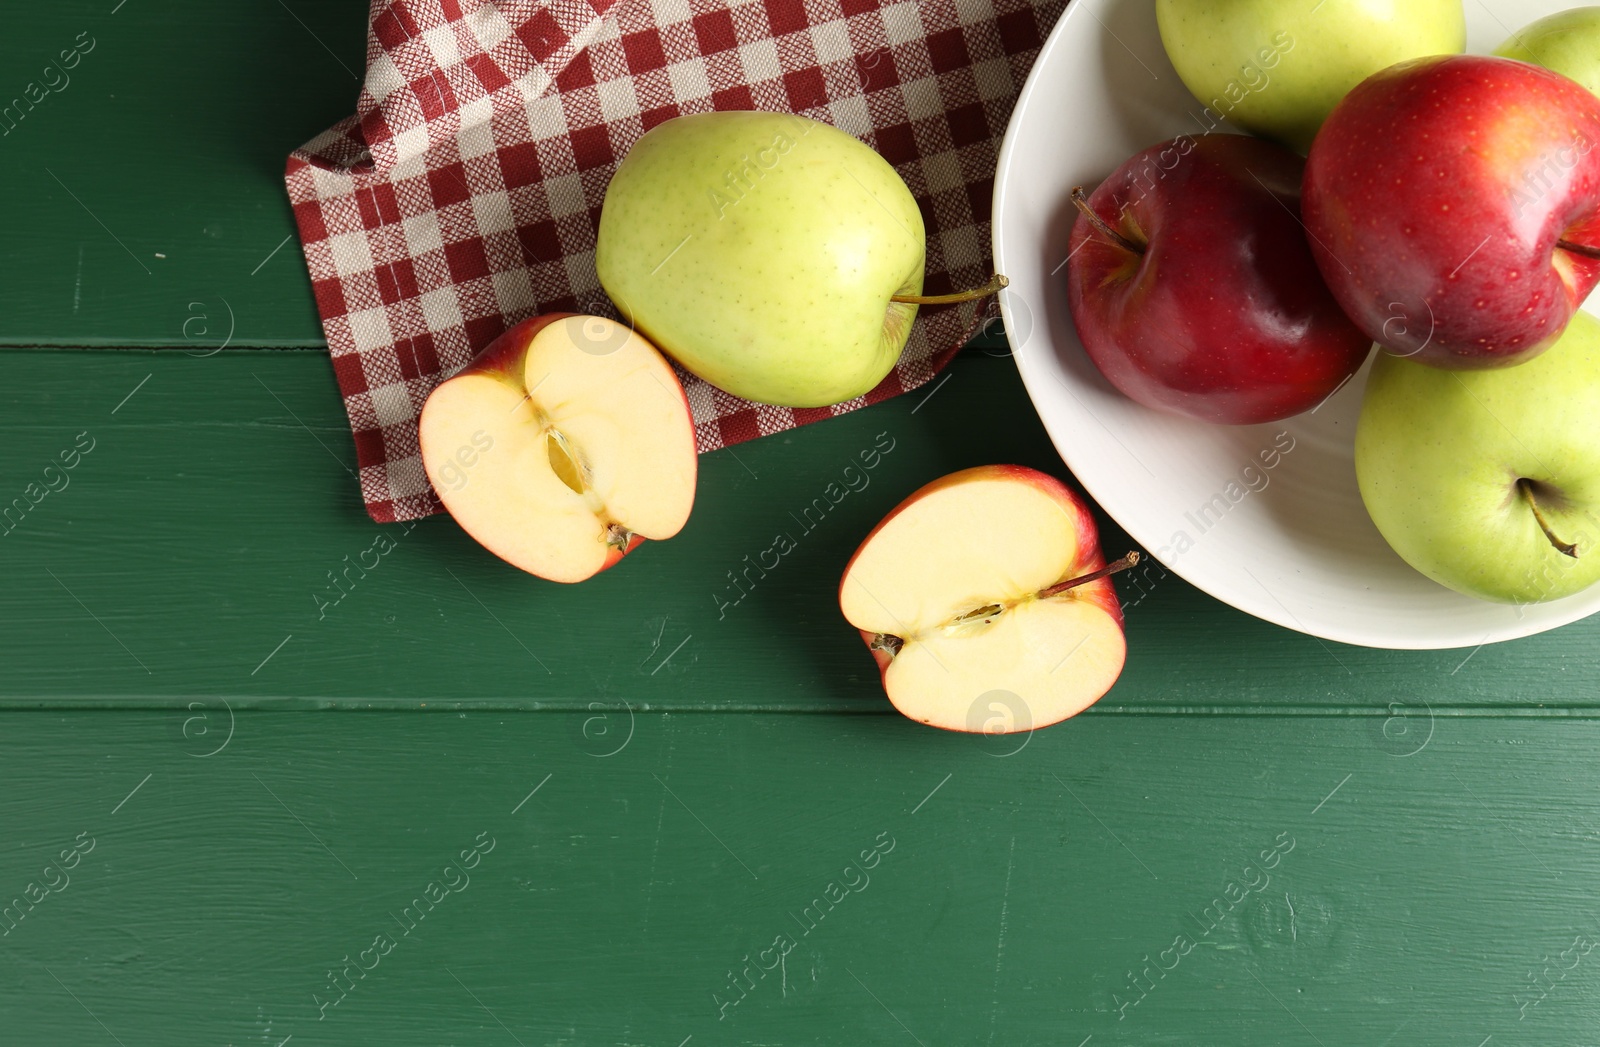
776, 257
987, 589
1489, 481
1278, 67
1193, 290
1453, 205
562, 446
1568, 42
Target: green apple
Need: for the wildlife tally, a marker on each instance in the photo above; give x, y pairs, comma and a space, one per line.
1568, 42
1278, 67
763, 251
1489, 481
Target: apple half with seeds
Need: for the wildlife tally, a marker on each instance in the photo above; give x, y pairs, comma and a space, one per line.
986, 592
562, 446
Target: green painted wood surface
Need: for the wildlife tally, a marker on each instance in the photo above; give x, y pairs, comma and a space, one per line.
147, 191
1014, 899
660, 808
215, 520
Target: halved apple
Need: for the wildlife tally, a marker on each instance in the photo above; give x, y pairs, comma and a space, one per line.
562, 446
987, 603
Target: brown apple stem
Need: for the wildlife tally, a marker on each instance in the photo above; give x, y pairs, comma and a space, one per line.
994, 286
1081, 201
1565, 548
1109, 569
1583, 249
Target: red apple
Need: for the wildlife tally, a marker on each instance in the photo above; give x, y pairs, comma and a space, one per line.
1453, 205
987, 604
562, 446
1193, 289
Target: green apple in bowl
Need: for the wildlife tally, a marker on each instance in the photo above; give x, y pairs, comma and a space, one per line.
1489, 481
776, 257
1278, 67
1567, 42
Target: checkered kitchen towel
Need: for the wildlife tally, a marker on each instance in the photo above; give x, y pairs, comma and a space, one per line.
465, 193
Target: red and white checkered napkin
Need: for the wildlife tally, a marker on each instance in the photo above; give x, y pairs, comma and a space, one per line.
465, 193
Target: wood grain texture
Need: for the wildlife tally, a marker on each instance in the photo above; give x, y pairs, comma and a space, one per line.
1255, 839
215, 519
1014, 898
145, 196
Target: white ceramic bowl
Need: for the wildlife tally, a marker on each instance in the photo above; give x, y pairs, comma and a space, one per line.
1300, 550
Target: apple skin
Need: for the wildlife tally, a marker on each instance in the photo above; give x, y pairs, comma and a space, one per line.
1567, 42
1090, 557
1427, 206
1439, 454
503, 358
1225, 317
1278, 67
760, 250
505, 354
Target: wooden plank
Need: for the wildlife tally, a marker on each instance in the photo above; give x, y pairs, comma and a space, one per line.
145, 191
1427, 819
194, 553
1432, 899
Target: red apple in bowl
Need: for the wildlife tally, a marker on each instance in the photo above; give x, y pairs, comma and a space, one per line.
1453, 205
1193, 289
562, 446
987, 604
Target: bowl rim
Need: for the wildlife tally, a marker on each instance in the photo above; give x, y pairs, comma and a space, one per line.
1266, 607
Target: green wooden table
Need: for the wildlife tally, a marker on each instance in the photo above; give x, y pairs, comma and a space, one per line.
453, 804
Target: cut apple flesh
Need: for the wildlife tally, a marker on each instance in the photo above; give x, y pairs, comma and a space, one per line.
947, 593
559, 458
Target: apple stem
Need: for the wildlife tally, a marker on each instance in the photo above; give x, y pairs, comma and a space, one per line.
1565, 548
1072, 583
1583, 249
1081, 201
994, 286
